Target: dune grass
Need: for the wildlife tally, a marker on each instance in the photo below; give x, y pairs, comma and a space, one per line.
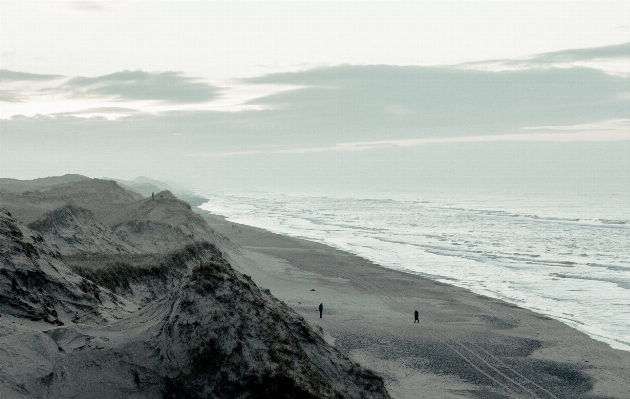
117, 272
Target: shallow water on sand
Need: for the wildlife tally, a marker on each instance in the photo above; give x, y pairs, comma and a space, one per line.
567, 257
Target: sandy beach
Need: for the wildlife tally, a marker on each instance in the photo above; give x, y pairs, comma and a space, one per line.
465, 345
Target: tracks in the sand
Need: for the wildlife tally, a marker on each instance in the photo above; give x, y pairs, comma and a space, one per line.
504, 377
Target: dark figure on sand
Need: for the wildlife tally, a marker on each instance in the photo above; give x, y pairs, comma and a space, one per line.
321, 309
153, 196
415, 317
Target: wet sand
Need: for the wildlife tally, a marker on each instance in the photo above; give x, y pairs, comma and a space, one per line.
465, 345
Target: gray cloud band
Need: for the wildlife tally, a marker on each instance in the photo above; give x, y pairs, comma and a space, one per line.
139, 85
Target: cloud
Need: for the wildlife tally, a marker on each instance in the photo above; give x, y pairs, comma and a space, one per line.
353, 108
343, 103
346, 104
9, 96
580, 136
590, 135
13, 76
602, 126
358, 103
583, 54
172, 87
134, 90
613, 59
17, 87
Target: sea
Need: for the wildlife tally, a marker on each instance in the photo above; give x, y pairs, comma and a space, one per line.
563, 255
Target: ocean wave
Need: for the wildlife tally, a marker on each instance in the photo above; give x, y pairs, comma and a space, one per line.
609, 221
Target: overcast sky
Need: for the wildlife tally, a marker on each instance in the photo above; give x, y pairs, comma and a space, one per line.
318, 95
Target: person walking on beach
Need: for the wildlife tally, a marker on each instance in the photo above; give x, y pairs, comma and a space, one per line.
415, 317
321, 310
153, 196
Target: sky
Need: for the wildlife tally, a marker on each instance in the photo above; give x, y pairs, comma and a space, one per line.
333, 95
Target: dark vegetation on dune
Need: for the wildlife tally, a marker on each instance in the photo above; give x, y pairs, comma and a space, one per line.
117, 272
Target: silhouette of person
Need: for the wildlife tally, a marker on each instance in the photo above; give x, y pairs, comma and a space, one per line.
415, 317
153, 196
321, 309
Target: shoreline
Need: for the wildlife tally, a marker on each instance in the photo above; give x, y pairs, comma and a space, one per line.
545, 284
569, 272
465, 344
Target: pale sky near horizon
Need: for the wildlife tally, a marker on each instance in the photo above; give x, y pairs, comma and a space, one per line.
397, 86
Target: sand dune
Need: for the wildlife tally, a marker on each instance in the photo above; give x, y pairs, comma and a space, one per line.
156, 324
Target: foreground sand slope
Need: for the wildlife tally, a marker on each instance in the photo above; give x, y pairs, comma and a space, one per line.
466, 345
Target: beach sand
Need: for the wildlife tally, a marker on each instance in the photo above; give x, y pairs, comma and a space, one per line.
465, 345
